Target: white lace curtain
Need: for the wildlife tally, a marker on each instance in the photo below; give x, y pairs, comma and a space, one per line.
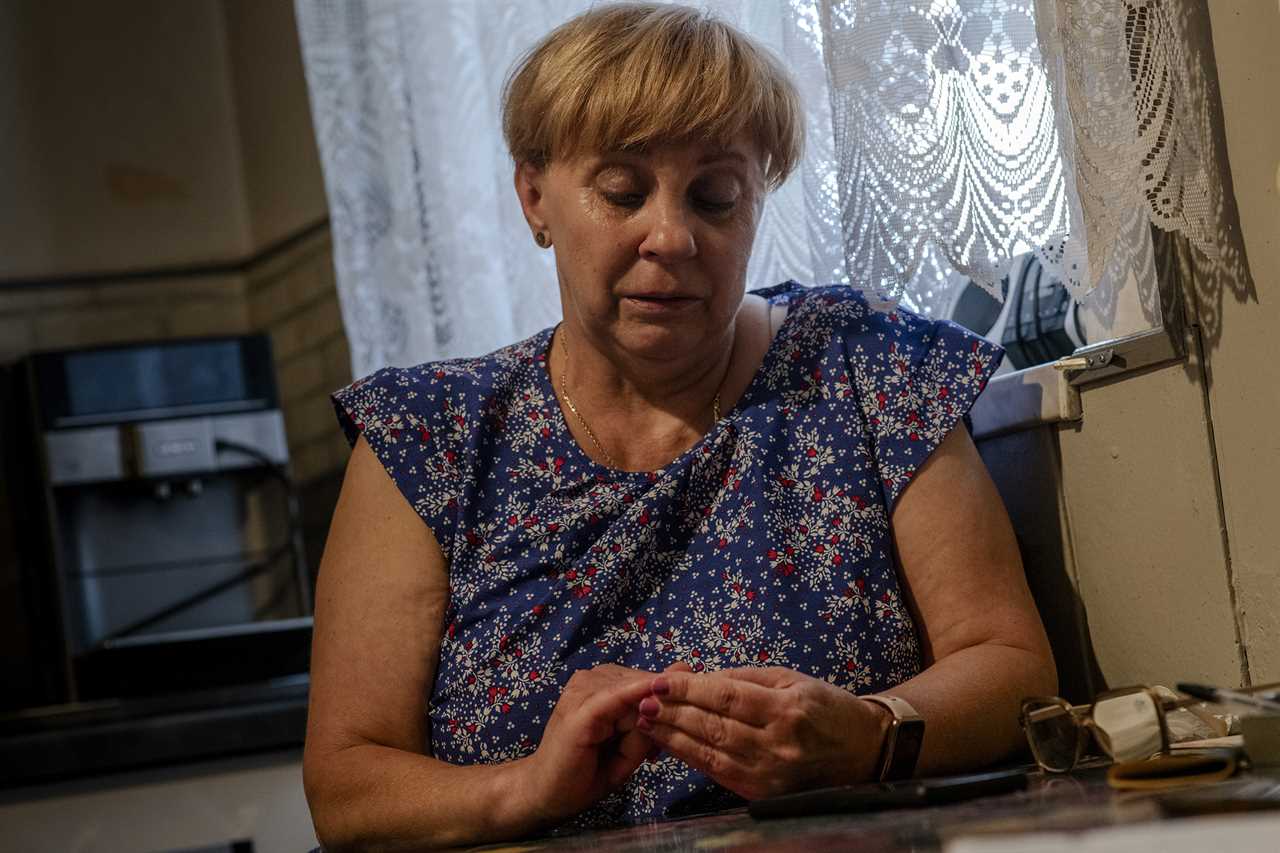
942, 135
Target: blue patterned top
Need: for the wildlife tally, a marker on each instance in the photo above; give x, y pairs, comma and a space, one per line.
765, 544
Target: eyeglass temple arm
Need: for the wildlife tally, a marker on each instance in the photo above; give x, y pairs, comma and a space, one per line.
1052, 711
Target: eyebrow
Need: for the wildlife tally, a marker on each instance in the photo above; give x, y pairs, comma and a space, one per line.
718, 156
624, 156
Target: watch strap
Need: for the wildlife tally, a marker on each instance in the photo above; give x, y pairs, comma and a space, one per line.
903, 740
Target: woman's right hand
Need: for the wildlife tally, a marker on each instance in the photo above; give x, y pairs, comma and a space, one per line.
590, 745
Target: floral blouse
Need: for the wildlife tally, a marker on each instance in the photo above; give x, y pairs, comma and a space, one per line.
765, 544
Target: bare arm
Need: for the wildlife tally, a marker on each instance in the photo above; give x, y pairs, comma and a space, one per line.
983, 644
380, 604
770, 731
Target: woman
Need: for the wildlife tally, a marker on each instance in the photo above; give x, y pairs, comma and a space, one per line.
655, 559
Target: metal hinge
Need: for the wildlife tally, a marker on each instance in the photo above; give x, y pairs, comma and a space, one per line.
1085, 361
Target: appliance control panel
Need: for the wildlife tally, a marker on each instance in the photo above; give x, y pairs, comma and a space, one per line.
157, 449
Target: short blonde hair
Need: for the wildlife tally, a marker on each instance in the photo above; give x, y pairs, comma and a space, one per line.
627, 76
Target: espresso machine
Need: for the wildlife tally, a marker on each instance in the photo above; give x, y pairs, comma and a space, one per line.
159, 524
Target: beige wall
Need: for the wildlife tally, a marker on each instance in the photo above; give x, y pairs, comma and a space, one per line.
281, 162
1171, 483
128, 151
1244, 391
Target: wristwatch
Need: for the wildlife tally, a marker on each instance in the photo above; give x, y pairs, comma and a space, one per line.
904, 739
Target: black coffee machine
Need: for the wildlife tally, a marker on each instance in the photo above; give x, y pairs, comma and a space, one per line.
156, 525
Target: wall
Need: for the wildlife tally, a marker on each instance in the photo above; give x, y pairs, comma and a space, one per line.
1244, 372
125, 145
278, 151
111, 311
1169, 485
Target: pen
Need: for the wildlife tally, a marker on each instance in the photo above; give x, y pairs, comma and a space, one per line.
1223, 696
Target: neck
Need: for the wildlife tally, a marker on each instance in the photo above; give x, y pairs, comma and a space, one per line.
644, 412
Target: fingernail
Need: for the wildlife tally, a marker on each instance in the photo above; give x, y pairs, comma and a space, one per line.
644, 724
661, 687
649, 706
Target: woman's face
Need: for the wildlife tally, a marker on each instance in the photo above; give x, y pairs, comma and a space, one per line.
651, 248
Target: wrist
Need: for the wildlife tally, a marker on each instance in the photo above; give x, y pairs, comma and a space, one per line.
900, 751
871, 759
866, 727
516, 804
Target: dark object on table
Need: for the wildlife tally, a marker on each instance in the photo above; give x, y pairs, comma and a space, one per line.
877, 796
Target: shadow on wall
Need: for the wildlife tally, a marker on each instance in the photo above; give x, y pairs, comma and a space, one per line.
1210, 277
1026, 468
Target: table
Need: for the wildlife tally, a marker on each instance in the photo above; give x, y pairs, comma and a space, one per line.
1051, 803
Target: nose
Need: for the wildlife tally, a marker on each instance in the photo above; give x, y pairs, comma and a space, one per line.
669, 237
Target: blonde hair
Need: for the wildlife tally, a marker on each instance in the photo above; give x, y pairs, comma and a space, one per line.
628, 76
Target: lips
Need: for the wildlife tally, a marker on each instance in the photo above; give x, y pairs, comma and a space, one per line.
671, 299
659, 305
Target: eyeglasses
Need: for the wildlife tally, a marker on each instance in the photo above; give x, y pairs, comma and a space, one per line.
1128, 724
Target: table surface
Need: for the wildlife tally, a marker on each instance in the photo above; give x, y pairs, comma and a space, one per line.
1050, 803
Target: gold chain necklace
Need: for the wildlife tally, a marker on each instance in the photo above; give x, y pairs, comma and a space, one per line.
568, 401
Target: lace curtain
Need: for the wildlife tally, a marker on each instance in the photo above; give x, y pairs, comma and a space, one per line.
943, 135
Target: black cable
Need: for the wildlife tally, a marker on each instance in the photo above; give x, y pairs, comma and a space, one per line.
253, 570
281, 473
125, 570
249, 573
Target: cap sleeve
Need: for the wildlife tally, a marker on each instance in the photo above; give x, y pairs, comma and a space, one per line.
916, 378
412, 427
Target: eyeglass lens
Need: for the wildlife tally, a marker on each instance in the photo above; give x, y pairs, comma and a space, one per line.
1051, 731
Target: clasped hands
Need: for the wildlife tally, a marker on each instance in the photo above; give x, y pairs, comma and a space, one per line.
757, 732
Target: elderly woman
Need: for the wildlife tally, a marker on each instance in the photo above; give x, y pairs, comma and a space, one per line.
689, 546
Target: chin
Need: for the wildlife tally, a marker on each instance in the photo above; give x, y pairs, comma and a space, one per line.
666, 338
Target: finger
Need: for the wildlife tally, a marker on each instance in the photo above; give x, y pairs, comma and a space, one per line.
736, 699
775, 677
725, 733
679, 666
608, 711
632, 750
726, 769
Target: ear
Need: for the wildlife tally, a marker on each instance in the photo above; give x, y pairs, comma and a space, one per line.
529, 180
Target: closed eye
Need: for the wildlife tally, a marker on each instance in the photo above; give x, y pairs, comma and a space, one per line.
715, 207
627, 201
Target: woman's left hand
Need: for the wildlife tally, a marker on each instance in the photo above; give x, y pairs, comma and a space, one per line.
765, 732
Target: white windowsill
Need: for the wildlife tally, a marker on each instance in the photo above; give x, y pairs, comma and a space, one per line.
1023, 399
1046, 395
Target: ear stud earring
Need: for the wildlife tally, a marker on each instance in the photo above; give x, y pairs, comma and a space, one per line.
542, 239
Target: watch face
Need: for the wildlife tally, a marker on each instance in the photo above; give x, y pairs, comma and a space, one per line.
906, 749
